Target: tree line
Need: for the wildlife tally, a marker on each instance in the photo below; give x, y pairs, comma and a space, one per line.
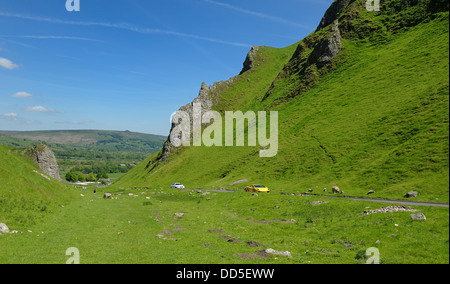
81, 177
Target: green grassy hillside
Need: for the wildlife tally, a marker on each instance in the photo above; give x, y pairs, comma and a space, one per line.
25, 196
375, 119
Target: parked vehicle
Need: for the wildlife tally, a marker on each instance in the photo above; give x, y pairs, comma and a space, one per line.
257, 188
177, 185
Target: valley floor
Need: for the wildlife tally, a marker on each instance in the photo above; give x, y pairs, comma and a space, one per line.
168, 226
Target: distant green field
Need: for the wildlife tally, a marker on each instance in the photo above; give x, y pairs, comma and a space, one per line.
83, 150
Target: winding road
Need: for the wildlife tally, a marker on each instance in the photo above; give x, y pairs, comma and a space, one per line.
400, 202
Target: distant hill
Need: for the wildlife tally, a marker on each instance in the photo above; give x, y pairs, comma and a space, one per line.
89, 148
86, 137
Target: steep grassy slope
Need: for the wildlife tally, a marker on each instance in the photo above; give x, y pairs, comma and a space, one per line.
25, 196
376, 118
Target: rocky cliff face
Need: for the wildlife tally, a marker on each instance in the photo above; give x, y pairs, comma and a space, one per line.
249, 61
208, 97
333, 13
44, 157
315, 56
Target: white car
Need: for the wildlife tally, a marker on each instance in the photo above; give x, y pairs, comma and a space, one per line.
177, 185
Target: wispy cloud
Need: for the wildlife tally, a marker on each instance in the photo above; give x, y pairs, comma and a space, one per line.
8, 64
17, 43
10, 116
22, 95
39, 109
124, 26
257, 14
51, 37
17, 119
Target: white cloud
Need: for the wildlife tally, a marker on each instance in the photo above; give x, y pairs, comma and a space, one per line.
14, 118
22, 95
10, 116
38, 109
6, 63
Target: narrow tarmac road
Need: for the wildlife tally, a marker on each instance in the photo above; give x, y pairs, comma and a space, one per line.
401, 202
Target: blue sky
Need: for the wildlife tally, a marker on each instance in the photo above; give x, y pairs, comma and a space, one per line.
129, 64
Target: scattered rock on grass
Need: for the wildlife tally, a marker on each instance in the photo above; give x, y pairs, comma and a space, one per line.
315, 203
390, 209
412, 194
282, 253
419, 216
4, 228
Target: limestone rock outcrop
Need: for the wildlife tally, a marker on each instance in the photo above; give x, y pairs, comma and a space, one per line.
249, 62
44, 157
